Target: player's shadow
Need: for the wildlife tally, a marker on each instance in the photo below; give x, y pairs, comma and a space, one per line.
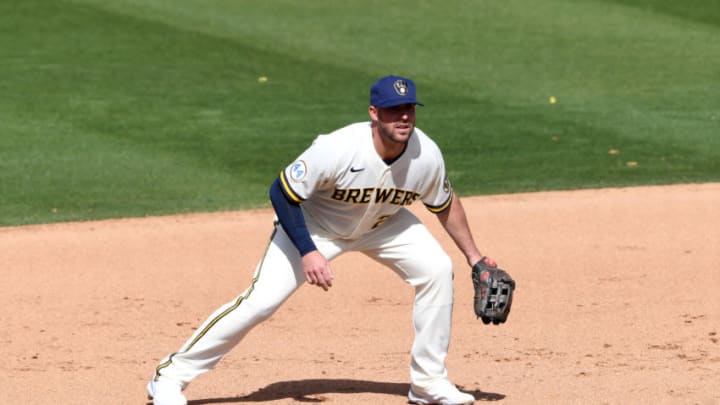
314, 390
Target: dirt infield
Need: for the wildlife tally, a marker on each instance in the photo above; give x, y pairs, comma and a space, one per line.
618, 302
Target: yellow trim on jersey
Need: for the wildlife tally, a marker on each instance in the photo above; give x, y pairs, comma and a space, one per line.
289, 191
440, 208
217, 319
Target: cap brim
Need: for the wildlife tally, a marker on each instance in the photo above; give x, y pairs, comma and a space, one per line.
391, 104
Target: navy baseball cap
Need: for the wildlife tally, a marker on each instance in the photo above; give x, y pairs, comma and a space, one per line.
390, 91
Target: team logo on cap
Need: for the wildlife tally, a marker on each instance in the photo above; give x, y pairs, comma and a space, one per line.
401, 87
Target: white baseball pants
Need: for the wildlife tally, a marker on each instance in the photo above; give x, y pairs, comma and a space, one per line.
402, 243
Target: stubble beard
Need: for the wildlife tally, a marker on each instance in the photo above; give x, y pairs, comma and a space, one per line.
393, 136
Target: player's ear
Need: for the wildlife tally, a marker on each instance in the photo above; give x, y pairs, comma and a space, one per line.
373, 112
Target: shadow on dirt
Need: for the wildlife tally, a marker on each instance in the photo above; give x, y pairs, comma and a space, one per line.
313, 391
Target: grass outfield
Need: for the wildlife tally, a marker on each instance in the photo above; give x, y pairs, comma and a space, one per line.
148, 107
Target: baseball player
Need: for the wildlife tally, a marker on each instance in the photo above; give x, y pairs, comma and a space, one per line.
349, 191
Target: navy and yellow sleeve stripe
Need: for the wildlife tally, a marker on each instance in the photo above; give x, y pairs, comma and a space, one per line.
436, 209
288, 190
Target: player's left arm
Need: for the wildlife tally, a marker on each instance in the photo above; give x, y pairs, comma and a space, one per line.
454, 220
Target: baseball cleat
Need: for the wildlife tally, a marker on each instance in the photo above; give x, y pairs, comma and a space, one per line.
443, 393
164, 392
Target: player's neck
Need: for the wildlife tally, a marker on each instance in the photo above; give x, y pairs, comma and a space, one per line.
388, 149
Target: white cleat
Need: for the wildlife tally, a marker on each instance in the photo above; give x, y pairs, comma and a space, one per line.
441, 393
165, 392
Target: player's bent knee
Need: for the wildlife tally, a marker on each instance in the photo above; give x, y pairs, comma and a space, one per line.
435, 282
439, 268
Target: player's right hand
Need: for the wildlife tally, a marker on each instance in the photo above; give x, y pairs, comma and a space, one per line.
317, 270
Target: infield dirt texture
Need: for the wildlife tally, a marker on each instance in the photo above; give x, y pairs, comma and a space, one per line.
617, 303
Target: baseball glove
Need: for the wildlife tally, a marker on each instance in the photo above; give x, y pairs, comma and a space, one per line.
493, 292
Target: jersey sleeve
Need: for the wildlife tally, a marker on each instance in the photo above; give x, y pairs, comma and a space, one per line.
291, 219
439, 193
309, 172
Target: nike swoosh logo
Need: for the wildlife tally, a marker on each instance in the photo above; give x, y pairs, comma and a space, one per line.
354, 170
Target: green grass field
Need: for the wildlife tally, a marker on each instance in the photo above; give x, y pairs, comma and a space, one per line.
150, 107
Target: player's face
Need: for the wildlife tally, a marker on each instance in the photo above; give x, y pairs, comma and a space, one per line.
395, 124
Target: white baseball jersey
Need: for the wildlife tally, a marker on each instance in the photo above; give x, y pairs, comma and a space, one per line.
354, 191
